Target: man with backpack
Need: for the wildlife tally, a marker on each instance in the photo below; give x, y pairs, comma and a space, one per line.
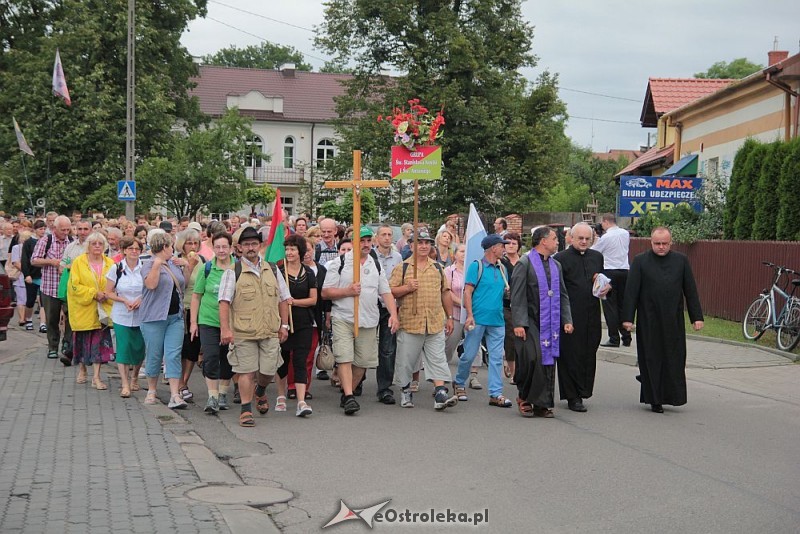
426, 317
354, 355
48, 254
484, 284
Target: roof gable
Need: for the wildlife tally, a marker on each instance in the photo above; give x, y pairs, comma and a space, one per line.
666, 94
298, 96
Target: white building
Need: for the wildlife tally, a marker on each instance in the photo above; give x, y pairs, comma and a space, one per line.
292, 112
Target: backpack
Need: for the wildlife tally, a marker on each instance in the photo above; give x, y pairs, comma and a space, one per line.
503, 273
237, 269
49, 244
371, 253
120, 273
438, 268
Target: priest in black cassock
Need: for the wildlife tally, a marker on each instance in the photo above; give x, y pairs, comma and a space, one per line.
578, 359
658, 282
539, 313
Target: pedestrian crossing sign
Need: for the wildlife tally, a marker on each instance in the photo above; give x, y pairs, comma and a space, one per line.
126, 190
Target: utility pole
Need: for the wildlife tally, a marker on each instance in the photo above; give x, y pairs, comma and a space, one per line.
130, 133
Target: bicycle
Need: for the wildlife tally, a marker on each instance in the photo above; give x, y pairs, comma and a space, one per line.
761, 316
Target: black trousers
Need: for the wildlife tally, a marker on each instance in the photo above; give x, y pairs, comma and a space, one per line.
612, 306
387, 350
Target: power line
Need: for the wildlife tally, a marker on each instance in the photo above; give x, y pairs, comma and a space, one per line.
602, 120
261, 16
600, 94
259, 37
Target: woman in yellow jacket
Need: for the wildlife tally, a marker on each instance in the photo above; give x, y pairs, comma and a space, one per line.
91, 339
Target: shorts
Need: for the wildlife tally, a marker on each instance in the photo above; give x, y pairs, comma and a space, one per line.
361, 351
249, 356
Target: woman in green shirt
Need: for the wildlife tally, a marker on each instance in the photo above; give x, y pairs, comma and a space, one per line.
205, 323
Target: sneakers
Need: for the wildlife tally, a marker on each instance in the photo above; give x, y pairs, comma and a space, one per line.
473, 382
223, 401
177, 403
350, 405
212, 406
42, 328
52, 355
406, 399
303, 409
442, 400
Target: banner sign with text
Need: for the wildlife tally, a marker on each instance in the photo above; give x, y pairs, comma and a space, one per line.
639, 195
421, 163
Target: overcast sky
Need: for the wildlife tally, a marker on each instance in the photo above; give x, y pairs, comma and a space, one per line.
606, 47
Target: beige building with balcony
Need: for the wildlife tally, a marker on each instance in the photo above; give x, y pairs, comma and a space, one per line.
292, 114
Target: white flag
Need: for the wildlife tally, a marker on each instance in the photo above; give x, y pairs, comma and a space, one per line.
59, 81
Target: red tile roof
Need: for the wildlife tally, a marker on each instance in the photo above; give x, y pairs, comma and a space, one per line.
665, 94
616, 153
652, 156
307, 96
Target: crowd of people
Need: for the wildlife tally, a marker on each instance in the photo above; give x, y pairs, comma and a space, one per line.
160, 297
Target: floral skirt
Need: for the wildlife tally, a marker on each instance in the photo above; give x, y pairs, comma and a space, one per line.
92, 346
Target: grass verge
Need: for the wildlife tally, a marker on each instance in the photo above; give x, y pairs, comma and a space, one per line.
732, 331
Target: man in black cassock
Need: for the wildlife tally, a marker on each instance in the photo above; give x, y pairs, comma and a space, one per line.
658, 282
578, 360
539, 313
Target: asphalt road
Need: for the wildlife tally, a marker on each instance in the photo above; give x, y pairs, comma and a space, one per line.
725, 462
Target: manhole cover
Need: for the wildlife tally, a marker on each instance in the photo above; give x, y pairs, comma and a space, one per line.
249, 495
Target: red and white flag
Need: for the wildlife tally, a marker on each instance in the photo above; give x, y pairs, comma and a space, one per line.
23, 144
59, 82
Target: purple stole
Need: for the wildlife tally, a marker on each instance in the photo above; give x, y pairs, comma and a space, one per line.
549, 307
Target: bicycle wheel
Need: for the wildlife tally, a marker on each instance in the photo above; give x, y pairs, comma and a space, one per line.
757, 318
789, 329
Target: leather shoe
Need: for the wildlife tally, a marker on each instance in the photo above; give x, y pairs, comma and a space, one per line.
609, 344
626, 342
576, 405
323, 375
657, 408
388, 399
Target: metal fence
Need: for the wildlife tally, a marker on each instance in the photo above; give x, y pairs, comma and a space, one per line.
729, 274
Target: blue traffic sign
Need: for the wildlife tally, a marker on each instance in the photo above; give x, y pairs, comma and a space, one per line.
126, 190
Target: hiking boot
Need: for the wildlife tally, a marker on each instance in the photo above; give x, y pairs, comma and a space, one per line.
443, 400
223, 401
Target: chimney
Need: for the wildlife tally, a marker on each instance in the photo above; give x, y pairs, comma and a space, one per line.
288, 69
776, 56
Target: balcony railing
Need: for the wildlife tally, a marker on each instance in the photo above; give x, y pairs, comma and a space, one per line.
276, 175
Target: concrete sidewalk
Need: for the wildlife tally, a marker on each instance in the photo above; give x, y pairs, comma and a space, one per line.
75, 459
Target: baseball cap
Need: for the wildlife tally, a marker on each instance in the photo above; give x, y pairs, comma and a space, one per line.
491, 240
423, 235
365, 232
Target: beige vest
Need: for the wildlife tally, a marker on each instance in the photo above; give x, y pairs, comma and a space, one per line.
254, 308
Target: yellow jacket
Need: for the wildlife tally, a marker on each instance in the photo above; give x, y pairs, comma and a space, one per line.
83, 286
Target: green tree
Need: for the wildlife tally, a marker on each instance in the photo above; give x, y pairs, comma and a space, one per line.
788, 221
767, 202
203, 169
736, 69
341, 209
262, 56
259, 195
80, 150
736, 179
464, 58
745, 194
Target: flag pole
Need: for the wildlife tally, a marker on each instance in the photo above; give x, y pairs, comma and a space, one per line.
28, 186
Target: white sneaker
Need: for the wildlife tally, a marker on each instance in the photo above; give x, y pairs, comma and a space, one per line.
303, 409
406, 399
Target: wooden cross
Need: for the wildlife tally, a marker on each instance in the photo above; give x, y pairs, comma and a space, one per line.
356, 184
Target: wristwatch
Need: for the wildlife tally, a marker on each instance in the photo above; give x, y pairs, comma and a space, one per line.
286, 326
450, 317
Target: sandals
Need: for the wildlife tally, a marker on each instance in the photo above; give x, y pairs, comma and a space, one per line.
186, 394
82, 379
246, 419
125, 393
461, 393
414, 386
280, 404
336, 383
292, 394
500, 402
135, 385
262, 404
525, 408
99, 385
506, 369
151, 398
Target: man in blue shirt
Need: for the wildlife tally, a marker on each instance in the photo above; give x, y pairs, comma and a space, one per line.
484, 284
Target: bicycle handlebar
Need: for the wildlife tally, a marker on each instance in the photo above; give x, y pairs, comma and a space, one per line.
779, 268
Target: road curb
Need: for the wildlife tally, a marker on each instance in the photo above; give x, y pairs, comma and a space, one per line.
750, 345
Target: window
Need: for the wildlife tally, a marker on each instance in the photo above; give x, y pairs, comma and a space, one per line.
254, 161
288, 204
712, 167
288, 153
326, 151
